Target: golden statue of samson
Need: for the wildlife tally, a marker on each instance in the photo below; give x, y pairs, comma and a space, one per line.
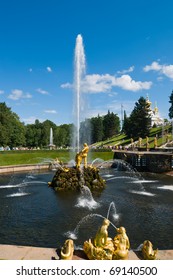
82, 155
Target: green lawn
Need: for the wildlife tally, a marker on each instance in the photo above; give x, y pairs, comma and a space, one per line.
43, 156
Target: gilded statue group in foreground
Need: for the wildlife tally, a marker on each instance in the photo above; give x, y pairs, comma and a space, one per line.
102, 247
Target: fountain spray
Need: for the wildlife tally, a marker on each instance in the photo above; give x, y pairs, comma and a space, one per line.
79, 72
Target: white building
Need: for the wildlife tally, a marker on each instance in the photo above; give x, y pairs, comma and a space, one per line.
154, 113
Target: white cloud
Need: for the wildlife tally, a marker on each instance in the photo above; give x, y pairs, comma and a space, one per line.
155, 66
112, 94
164, 69
42, 91
127, 83
27, 95
67, 85
1, 91
104, 83
131, 69
51, 111
167, 70
49, 69
96, 83
17, 94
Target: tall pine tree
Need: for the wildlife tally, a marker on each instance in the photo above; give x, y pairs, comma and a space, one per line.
139, 122
171, 107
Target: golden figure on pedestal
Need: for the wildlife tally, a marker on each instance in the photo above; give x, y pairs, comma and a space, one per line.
147, 251
122, 245
67, 250
82, 155
101, 237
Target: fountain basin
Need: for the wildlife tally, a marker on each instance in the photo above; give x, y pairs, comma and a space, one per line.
44, 218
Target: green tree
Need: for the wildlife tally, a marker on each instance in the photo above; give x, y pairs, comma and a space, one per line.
45, 132
12, 131
17, 135
171, 107
125, 119
62, 136
96, 129
30, 135
139, 122
38, 134
111, 125
127, 126
4, 136
34, 134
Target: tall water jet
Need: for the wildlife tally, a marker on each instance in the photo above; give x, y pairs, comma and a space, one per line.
51, 145
79, 61
51, 136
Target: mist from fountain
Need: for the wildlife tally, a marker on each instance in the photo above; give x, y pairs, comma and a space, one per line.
23, 184
120, 165
97, 162
113, 208
131, 174
21, 187
86, 199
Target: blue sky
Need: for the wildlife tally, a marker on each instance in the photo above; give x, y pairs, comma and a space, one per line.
128, 46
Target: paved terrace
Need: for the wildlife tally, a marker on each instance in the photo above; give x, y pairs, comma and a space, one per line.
14, 252
22, 168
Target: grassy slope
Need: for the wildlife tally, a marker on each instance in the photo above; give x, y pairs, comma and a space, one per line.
121, 139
